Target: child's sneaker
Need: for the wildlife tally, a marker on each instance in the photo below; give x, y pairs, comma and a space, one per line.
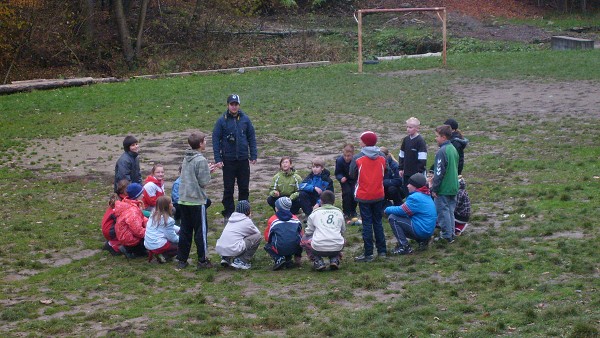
364, 258
279, 262
403, 250
319, 265
460, 228
161, 259
181, 265
225, 262
423, 245
240, 264
205, 264
334, 263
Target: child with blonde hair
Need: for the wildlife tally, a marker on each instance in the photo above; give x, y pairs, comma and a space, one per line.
412, 158
161, 238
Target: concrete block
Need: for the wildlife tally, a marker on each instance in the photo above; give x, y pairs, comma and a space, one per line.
567, 42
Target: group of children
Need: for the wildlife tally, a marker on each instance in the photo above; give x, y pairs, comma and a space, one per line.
139, 219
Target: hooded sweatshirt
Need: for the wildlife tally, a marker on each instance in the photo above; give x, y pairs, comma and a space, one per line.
420, 208
153, 189
231, 243
195, 176
368, 167
460, 143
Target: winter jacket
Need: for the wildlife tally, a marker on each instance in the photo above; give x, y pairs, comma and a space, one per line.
233, 138
286, 183
326, 226
322, 181
284, 232
462, 212
153, 189
460, 143
420, 208
342, 169
368, 167
108, 224
128, 167
157, 235
231, 243
130, 227
195, 176
413, 155
445, 172
392, 178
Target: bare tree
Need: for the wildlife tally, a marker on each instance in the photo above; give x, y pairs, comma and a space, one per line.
127, 42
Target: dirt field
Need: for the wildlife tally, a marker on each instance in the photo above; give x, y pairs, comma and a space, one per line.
95, 155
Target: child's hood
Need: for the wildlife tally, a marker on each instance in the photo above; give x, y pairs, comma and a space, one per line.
191, 154
237, 217
284, 215
154, 180
372, 152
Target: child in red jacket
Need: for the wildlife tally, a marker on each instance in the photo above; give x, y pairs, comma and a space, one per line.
131, 223
154, 187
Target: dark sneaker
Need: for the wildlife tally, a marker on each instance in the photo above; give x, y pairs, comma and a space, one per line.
240, 264
442, 240
225, 261
423, 245
206, 264
403, 250
319, 265
334, 264
161, 259
279, 262
181, 265
109, 248
127, 254
364, 258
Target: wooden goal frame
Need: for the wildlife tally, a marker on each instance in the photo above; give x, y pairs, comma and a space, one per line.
442, 17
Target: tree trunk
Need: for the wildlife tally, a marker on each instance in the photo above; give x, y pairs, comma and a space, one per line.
125, 36
195, 15
140, 27
88, 13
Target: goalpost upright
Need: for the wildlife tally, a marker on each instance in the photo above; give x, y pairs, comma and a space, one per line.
433, 9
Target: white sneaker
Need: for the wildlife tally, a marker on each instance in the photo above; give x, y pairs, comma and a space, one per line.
240, 264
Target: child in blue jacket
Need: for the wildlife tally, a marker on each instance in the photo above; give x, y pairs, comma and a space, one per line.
313, 186
283, 235
415, 218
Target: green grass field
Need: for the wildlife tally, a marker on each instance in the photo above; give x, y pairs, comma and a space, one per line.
527, 267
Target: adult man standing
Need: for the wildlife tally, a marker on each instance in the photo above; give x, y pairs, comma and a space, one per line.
234, 147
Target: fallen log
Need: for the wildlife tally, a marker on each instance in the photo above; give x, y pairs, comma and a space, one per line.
29, 85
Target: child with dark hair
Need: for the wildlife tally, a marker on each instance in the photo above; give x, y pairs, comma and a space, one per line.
195, 176
128, 165
283, 234
444, 186
131, 223
324, 234
240, 238
342, 174
459, 142
392, 182
285, 183
161, 238
313, 186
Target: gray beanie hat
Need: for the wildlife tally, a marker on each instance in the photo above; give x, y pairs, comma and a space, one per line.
283, 203
243, 207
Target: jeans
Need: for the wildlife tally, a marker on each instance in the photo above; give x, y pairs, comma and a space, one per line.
445, 204
193, 223
403, 229
372, 214
235, 170
348, 202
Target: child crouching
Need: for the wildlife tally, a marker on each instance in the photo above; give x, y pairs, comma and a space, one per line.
323, 235
239, 239
161, 238
283, 234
